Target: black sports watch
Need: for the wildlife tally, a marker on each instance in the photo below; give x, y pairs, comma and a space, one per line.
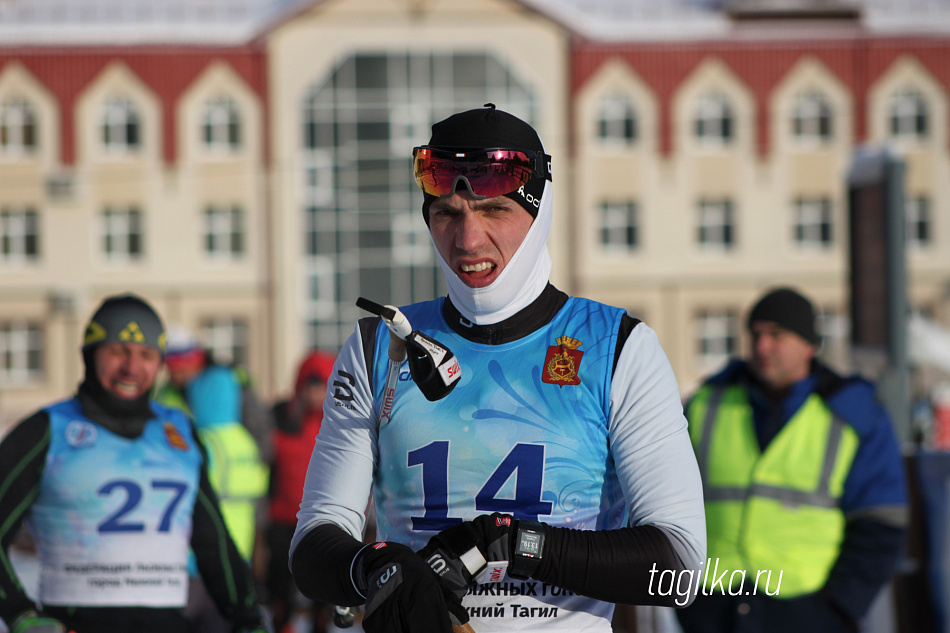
527, 550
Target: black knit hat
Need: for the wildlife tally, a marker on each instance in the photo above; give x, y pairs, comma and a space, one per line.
125, 319
789, 310
488, 128
485, 127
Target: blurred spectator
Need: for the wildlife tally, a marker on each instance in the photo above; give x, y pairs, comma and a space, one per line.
297, 422
237, 474
114, 489
803, 480
185, 360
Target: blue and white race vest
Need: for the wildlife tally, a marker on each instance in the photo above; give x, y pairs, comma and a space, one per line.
113, 518
525, 432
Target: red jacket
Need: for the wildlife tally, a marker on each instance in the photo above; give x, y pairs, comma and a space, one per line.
295, 431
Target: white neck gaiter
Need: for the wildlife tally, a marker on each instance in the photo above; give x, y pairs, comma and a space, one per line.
520, 283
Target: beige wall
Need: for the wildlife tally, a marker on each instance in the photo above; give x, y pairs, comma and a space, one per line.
669, 279
175, 274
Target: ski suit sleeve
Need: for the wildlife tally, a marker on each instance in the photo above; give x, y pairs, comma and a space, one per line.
874, 502
22, 460
339, 479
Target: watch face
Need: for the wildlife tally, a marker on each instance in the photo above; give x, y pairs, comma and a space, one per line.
529, 544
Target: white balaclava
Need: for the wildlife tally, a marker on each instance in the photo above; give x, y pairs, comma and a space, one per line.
527, 273
520, 283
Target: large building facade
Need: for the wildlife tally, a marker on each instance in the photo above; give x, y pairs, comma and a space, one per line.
707, 171
244, 164
128, 170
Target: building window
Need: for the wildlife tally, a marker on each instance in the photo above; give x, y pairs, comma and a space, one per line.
121, 126
714, 119
412, 245
908, 115
364, 234
319, 231
619, 229
917, 217
617, 123
19, 235
224, 232
221, 125
122, 234
225, 339
811, 118
320, 280
813, 223
716, 230
17, 127
21, 353
833, 328
717, 337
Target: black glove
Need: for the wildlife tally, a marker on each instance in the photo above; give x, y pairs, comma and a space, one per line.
495, 533
403, 595
454, 556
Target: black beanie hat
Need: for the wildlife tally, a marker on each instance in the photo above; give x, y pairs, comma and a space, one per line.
125, 318
789, 310
489, 128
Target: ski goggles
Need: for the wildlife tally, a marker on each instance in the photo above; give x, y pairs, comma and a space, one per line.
486, 172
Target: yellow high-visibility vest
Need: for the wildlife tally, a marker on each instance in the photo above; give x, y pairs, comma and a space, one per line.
239, 477
776, 511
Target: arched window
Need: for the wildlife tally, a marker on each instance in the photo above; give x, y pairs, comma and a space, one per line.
17, 127
714, 119
812, 117
908, 115
221, 125
617, 121
121, 126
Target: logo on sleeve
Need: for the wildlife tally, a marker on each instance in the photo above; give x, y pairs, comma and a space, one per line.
563, 362
343, 391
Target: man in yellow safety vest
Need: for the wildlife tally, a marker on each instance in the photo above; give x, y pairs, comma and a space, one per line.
803, 483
